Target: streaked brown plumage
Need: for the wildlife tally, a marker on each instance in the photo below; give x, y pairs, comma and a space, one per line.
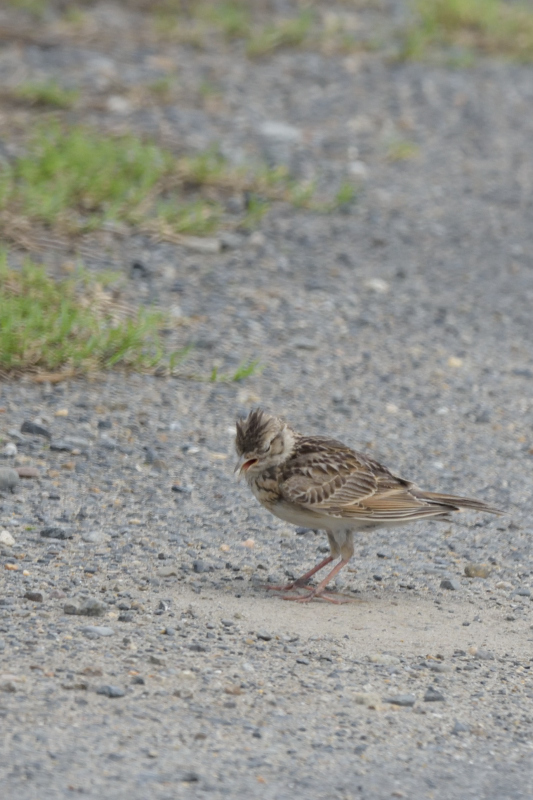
321, 483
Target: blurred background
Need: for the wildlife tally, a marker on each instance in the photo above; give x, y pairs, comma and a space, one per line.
294, 196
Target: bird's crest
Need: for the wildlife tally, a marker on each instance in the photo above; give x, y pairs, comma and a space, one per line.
254, 430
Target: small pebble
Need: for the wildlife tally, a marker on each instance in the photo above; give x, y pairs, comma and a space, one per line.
35, 597
94, 631
167, 572
9, 450
433, 696
86, 608
477, 570
111, 691
28, 472
9, 478
450, 583
484, 655
460, 727
34, 429
404, 700
93, 537
55, 533
368, 699
6, 538
264, 635
384, 659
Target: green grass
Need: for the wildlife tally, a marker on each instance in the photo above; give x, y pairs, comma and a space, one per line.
74, 180
232, 19
72, 325
35, 7
48, 93
161, 89
286, 33
492, 27
194, 24
402, 150
245, 370
81, 178
346, 194
197, 218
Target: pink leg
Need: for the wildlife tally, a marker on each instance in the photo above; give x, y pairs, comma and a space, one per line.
303, 580
319, 590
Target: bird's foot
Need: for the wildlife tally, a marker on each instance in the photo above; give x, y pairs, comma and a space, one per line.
320, 595
287, 587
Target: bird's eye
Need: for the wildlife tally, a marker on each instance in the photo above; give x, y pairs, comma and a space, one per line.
264, 450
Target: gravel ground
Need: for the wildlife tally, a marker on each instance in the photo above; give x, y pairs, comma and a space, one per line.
140, 652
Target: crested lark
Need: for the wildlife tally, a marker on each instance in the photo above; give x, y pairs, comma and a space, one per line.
321, 483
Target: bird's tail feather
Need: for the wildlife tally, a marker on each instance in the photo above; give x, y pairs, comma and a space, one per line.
460, 503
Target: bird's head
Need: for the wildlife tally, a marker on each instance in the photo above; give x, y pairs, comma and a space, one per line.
262, 441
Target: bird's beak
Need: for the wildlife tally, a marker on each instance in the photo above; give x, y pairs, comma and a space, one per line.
241, 466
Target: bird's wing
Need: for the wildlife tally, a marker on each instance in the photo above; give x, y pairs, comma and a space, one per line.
323, 474
327, 477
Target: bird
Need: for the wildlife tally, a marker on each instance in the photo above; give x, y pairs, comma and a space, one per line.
320, 483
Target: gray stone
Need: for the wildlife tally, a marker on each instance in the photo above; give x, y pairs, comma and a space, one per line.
167, 572
95, 631
77, 442
91, 607
280, 131
93, 537
264, 635
451, 584
34, 429
460, 727
9, 478
53, 532
384, 659
60, 446
6, 539
433, 696
522, 592
35, 597
437, 666
9, 450
111, 691
17, 436
477, 570
484, 655
304, 343
405, 700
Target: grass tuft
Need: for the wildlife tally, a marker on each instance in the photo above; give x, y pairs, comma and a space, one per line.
81, 179
36, 8
493, 27
74, 180
287, 33
402, 150
232, 19
49, 93
245, 370
71, 325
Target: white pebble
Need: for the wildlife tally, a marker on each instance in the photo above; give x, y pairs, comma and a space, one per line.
6, 538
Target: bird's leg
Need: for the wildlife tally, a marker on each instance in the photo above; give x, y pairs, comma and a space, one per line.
304, 578
318, 591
